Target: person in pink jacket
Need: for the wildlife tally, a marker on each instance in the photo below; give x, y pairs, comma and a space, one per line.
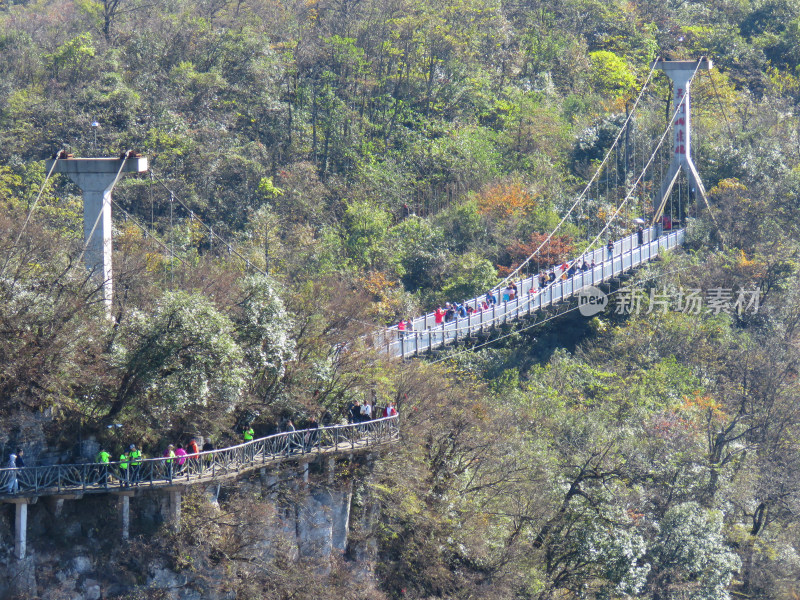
180, 453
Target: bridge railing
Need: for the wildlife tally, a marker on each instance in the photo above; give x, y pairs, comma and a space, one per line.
162, 471
627, 254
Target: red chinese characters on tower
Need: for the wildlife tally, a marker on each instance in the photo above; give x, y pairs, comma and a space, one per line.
680, 140
680, 122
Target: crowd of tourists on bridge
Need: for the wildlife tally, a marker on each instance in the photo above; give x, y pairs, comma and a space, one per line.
127, 470
455, 310
452, 311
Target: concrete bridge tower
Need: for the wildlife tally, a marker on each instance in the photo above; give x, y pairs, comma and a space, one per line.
681, 73
97, 178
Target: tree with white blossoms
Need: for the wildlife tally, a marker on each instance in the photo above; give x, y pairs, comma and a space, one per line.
689, 557
619, 551
181, 356
264, 333
601, 547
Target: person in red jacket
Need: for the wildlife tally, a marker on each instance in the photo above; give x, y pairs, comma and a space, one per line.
192, 450
439, 316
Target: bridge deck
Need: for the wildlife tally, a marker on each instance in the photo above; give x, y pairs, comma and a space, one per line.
428, 335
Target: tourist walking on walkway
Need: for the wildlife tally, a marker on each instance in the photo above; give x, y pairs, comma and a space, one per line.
180, 454
248, 436
124, 474
20, 462
366, 412
193, 451
136, 457
103, 458
449, 313
354, 412
169, 464
208, 458
13, 485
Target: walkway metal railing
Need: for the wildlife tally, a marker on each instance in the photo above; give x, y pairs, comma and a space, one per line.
427, 334
205, 466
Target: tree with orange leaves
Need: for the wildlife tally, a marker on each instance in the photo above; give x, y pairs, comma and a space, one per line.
505, 200
558, 249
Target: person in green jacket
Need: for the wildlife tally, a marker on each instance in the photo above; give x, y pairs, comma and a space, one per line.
102, 459
170, 462
247, 435
136, 457
123, 468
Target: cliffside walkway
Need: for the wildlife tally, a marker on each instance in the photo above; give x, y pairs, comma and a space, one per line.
72, 482
628, 254
206, 467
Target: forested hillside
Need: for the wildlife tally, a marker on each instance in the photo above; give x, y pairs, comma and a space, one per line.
320, 168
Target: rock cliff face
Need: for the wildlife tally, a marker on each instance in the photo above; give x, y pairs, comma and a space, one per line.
322, 522
293, 515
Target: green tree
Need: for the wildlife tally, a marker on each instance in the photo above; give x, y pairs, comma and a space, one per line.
421, 252
366, 224
71, 60
468, 275
610, 74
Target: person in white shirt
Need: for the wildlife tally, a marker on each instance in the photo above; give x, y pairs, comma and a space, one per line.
13, 484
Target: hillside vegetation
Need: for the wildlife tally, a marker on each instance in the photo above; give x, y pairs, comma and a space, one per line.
359, 161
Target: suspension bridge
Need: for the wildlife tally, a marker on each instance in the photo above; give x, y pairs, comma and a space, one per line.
600, 262
426, 334
603, 209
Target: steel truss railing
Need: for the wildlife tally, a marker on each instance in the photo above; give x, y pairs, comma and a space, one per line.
428, 335
196, 468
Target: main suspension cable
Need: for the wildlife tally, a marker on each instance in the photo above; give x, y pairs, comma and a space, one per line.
30, 210
588, 185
